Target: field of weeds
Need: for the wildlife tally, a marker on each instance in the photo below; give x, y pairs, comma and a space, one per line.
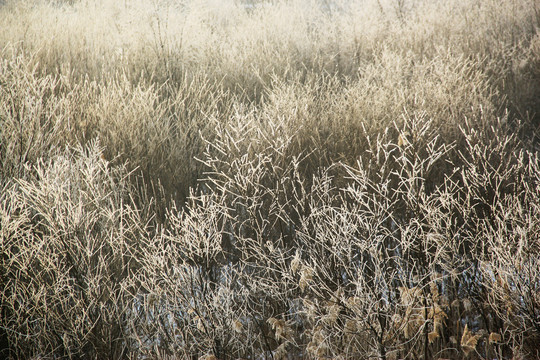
288, 179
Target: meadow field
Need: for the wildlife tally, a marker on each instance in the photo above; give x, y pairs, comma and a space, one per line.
270, 179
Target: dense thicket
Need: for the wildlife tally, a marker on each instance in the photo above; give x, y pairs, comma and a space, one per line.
290, 179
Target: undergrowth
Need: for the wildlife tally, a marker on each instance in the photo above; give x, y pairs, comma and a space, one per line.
288, 179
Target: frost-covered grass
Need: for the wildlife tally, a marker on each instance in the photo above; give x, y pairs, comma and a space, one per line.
294, 178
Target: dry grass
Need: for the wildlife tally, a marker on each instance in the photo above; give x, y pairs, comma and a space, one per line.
288, 179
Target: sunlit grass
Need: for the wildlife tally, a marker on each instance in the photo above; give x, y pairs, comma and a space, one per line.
226, 179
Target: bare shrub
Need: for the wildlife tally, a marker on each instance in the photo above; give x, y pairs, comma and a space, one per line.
380, 262
32, 114
285, 179
217, 280
69, 238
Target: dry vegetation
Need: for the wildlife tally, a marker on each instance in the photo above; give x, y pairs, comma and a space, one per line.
270, 180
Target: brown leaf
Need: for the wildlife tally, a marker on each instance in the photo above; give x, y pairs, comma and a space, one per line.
468, 341
208, 357
237, 326
494, 338
432, 336
282, 329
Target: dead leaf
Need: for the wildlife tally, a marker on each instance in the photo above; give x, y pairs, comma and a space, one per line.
432, 336
494, 338
468, 341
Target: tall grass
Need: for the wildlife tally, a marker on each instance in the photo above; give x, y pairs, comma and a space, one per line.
288, 179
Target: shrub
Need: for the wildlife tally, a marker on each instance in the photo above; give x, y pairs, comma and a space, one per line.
293, 179
69, 239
